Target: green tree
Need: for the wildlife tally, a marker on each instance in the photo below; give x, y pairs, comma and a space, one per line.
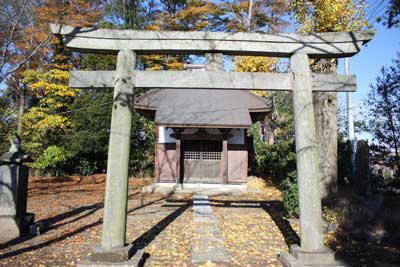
384, 115
392, 14
89, 135
51, 159
277, 160
7, 122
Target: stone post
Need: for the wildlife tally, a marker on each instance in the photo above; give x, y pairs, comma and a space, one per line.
361, 183
214, 62
116, 195
306, 154
312, 250
14, 219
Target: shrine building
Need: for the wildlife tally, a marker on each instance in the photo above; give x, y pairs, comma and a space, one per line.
201, 135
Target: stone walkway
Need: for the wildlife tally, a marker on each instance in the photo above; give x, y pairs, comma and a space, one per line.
207, 243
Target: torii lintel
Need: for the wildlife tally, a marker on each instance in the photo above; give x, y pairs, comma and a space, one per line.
316, 45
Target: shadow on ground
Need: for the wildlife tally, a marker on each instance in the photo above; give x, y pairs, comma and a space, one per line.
81, 213
353, 252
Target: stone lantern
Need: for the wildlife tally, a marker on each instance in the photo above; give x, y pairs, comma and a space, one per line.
14, 219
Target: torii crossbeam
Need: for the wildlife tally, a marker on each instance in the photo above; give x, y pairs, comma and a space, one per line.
298, 47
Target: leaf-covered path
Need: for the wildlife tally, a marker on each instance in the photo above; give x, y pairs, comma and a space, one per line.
69, 213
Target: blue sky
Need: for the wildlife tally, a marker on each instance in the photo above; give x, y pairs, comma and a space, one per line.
367, 64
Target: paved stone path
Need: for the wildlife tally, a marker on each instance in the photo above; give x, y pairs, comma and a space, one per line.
207, 242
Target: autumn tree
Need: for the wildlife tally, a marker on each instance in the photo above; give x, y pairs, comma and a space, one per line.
327, 16
129, 14
46, 122
17, 48
27, 43
254, 15
178, 15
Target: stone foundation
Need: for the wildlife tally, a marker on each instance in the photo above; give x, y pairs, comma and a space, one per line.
300, 258
114, 257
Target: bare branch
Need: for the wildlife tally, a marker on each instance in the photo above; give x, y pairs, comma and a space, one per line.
249, 15
26, 59
237, 18
10, 39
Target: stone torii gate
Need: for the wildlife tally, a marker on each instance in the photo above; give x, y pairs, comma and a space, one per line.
300, 81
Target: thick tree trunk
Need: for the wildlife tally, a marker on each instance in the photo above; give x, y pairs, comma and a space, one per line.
325, 110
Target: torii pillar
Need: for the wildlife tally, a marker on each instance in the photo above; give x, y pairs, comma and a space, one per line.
113, 244
312, 251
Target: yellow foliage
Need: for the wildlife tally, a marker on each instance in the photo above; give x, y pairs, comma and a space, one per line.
255, 64
330, 15
50, 87
53, 94
38, 118
257, 183
161, 62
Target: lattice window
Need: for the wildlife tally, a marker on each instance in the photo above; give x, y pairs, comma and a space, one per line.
202, 150
191, 150
192, 155
211, 150
211, 155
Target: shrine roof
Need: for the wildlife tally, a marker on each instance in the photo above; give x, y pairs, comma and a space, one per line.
201, 107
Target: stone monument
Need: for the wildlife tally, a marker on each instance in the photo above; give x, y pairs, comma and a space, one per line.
361, 182
14, 219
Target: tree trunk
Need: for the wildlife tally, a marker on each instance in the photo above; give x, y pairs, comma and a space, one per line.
268, 131
325, 110
21, 111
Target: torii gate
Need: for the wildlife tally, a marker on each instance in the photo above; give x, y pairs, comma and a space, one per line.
298, 47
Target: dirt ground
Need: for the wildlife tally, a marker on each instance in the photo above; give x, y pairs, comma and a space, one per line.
254, 230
